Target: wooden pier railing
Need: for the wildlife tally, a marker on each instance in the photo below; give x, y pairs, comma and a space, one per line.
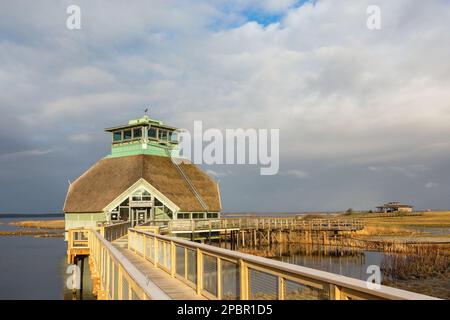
115, 277
115, 231
223, 274
178, 226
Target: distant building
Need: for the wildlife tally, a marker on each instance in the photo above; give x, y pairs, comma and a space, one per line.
395, 207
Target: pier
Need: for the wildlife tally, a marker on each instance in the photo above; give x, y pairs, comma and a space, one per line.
139, 263
257, 231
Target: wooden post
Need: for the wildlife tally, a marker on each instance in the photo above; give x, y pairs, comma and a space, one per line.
155, 257
281, 287
173, 259
219, 279
144, 246
199, 272
335, 292
243, 280
185, 263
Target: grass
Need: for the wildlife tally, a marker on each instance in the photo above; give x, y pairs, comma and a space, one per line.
376, 230
40, 224
35, 233
402, 224
429, 219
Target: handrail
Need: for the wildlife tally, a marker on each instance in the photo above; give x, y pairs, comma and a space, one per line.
265, 223
190, 184
115, 231
119, 278
255, 273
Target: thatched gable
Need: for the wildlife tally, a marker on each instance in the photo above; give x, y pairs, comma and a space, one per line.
110, 177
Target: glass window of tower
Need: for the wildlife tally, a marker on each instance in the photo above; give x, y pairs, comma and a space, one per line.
162, 134
117, 136
152, 132
127, 135
137, 133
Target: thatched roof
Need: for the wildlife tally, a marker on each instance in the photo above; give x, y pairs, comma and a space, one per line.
110, 177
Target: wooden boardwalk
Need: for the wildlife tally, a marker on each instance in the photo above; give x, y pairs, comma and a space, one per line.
173, 287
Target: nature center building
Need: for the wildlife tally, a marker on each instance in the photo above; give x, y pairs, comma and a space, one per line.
139, 182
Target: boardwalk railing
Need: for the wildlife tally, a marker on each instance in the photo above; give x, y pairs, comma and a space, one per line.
174, 226
118, 278
229, 275
115, 231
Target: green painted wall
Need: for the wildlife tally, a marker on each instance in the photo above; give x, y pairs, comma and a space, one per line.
136, 148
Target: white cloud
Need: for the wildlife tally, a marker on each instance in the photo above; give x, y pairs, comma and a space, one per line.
430, 185
294, 173
218, 174
410, 171
25, 154
82, 137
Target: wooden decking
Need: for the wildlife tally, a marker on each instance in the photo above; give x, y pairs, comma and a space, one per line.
173, 287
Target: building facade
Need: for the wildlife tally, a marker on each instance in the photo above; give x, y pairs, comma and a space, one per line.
395, 207
139, 182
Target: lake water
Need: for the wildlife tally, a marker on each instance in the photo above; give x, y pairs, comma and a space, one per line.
35, 268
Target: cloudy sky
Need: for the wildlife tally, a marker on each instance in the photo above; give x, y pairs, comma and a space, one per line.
364, 115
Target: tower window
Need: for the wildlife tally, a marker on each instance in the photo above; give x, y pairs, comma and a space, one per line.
152, 133
162, 134
117, 136
173, 137
137, 133
127, 135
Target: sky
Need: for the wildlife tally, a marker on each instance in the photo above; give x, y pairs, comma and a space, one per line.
364, 115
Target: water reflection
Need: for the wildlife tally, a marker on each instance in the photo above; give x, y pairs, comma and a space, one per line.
350, 262
35, 268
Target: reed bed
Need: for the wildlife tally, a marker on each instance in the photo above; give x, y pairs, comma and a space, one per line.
416, 262
40, 224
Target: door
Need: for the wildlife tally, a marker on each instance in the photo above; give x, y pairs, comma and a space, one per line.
141, 216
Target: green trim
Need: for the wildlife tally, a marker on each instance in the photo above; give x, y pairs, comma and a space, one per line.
136, 148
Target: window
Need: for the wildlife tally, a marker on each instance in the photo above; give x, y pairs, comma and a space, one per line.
152, 133
127, 135
117, 136
141, 195
168, 212
158, 203
146, 196
212, 215
198, 215
184, 216
137, 133
162, 134
173, 137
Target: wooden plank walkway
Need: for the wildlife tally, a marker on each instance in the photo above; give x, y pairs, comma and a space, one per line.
173, 287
